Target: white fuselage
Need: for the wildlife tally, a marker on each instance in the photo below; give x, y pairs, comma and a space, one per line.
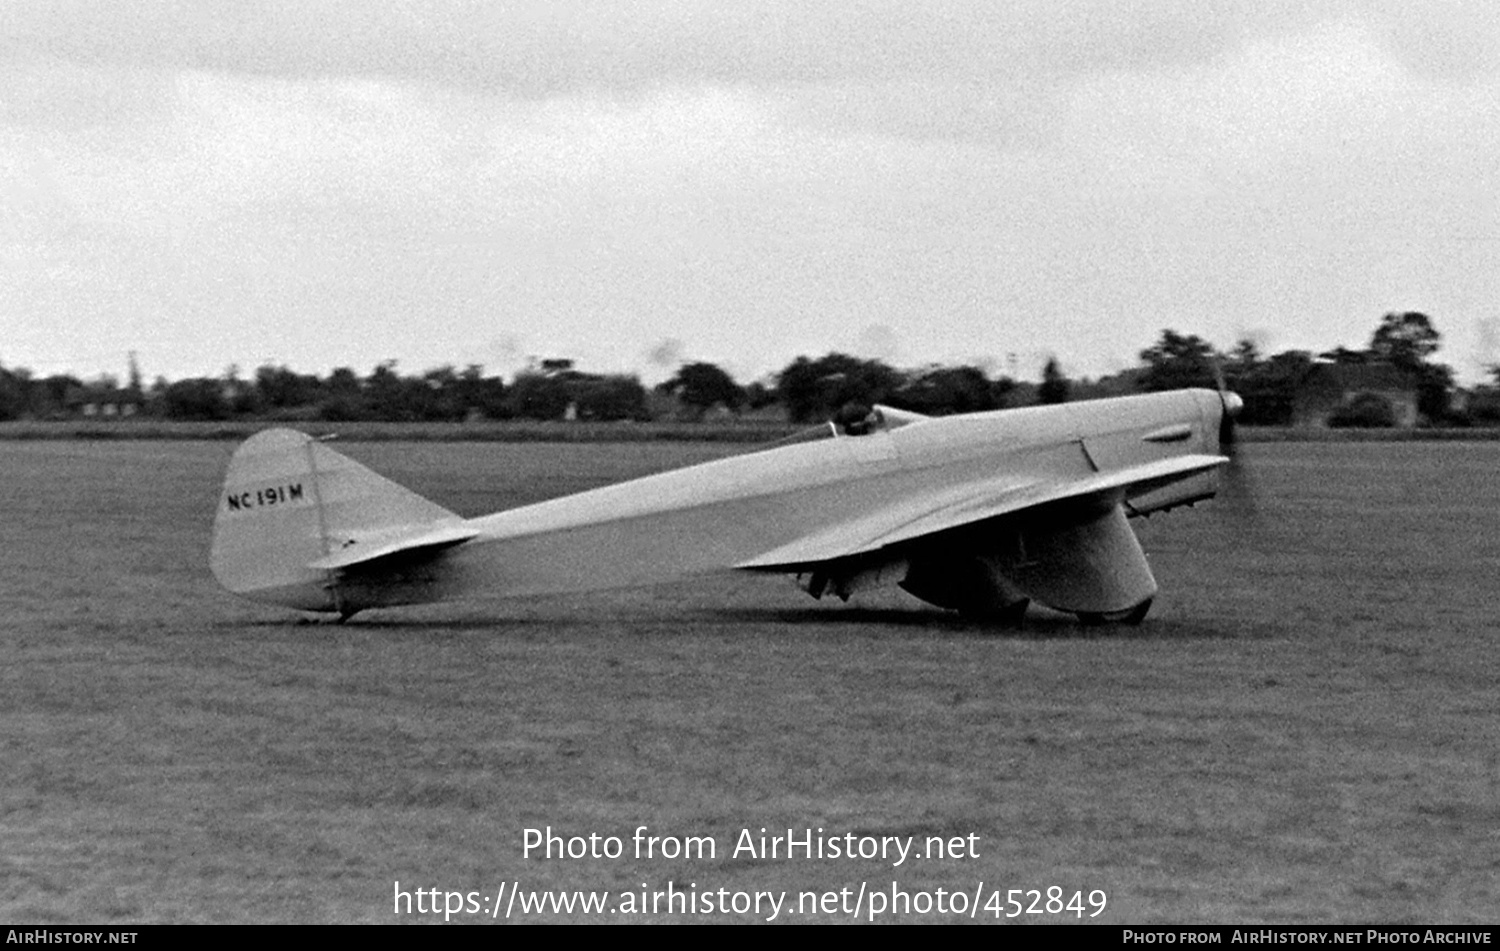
721, 514
1038, 496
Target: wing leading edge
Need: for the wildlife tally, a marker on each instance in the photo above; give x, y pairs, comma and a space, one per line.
977, 502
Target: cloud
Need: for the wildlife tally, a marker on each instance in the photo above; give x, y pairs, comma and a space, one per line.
548, 48
753, 179
944, 69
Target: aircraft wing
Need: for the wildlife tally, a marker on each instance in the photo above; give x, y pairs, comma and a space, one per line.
975, 502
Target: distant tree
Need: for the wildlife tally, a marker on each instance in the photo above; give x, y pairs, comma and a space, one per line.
197, 398
1178, 361
240, 396
701, 386
1365, 410
1434, 391
439, 395
481, 394
1484, 405
534, 395
388, 397
1346, 357
344, 398
280, 388
759, 394
818, 389
12, 394
1241, 362
49, 395
1405, 340
1270, 389
1002, 391
1055, 387
156, 397
1408, 340
613, 397
343, 381
538, 395
938, 391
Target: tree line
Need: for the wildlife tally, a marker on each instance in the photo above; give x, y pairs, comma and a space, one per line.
807, 389
1402, 344
554, 389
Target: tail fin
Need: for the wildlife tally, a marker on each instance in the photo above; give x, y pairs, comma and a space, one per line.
294, 514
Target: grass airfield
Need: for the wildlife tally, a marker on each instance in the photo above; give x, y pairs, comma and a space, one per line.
1304, 731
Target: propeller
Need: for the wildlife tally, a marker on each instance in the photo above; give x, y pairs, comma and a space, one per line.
1232, 404
1236, 486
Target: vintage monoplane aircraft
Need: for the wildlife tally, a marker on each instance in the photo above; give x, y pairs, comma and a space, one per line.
979, 513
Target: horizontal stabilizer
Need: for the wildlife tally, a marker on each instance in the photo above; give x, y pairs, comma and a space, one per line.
363, 551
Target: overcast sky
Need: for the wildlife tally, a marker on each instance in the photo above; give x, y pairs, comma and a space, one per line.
632, 184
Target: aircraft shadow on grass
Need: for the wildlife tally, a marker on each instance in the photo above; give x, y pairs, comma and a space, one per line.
753, 622
1037, 626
